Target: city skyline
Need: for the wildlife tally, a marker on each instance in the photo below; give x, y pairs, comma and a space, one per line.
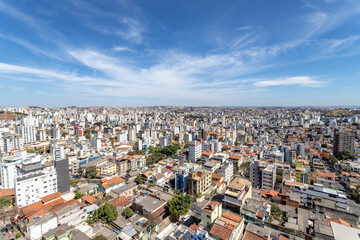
205, 53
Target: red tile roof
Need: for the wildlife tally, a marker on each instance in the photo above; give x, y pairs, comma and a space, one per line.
121, 201
7, 192
114, 181
89, 199
50, 197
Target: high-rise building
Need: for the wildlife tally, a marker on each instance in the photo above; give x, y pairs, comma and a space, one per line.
195, 151
132, 135
63, 177
343, 142
12, 142
164, 141
187, 138
28, 133
8, 171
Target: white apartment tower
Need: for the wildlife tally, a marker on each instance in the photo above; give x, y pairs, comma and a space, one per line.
31, 187
28, 133
14, 141
195, 151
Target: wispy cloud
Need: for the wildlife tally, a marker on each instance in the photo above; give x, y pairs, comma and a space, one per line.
31, 47
122, 49
304, 81
248, 27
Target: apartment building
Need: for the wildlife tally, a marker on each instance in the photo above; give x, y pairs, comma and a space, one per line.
182, 175
343, 142
268, 177
262, 175
195, 151
14, 141
226, 170
31, 187
199, 182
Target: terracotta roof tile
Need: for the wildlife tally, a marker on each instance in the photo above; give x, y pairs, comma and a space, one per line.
88, 198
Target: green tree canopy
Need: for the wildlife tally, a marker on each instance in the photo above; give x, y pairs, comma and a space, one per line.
128, 212
107, 213
91, 172
179, 205
170, 150
78, 195
138, 179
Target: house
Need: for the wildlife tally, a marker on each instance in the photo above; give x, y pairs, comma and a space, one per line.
37, 227
255, 210
71, 215
121, 202
326, 179
88, 199
255, 232
149, 206
61, 232
227, 227
128, 190
108, 185
159, 178
210, 213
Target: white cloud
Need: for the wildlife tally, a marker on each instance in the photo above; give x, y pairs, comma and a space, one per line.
122, 49
304, 81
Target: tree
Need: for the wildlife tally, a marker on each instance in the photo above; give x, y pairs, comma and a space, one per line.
345, 155
127, 213
30, 150
245, 166
18, 235
279, 175
78, 195
91, 172
179, 205
170, 150
99, 237
138, 179
106, 212
276, 211
40, 150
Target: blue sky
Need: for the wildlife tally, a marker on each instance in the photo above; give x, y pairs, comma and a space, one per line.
165, 52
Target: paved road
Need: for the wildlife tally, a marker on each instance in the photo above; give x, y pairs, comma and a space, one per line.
8, 235
192, 220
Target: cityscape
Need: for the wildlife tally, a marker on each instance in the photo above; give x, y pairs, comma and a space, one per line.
179, 120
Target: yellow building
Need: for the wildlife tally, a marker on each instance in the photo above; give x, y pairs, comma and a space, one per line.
210, 213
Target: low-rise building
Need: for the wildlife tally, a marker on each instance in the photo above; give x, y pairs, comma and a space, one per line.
108, 185
210, 213
238, 191
227, 226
